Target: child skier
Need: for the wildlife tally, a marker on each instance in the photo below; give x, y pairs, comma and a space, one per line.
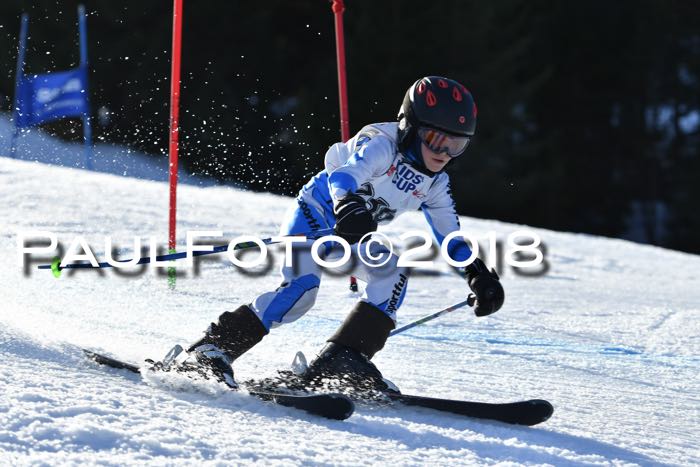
385, 170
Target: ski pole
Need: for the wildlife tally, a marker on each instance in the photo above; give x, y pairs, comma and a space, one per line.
56, 267
468, 302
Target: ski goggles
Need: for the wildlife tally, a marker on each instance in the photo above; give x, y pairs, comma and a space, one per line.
439, 141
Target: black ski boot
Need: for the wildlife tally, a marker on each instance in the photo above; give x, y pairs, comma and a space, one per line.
235, 333
344, 363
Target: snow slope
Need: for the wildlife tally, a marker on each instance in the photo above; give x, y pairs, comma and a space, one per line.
609, 335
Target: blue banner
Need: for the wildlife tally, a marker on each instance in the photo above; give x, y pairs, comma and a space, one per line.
47, 97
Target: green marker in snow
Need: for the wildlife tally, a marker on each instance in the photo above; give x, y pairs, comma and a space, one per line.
56, 267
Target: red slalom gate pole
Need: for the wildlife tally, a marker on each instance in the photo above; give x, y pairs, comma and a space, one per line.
338, 8
173, 151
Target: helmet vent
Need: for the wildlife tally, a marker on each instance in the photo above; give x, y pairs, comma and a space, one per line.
430, 99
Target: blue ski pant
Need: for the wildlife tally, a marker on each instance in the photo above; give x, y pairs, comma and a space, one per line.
385, 286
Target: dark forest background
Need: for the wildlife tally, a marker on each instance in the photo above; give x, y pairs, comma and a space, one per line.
589, 112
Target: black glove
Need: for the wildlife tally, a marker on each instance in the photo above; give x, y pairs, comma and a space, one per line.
486, 287
353, 220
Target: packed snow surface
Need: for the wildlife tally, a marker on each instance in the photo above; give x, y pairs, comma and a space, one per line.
609, 334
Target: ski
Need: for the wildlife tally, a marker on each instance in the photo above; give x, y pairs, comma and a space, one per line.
530, 412
340, 407
332, 406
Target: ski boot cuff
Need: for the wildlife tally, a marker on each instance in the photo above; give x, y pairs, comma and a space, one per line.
235, 333
365, 329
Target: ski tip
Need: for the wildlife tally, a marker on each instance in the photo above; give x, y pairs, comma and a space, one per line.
349, 410
90, 354
110, 362
344, 407
333, 406
56, 267
546, 409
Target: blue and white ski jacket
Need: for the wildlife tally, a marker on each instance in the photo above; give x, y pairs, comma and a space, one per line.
370, 165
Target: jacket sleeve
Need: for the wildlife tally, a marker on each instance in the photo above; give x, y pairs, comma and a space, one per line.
368, 158
440, 212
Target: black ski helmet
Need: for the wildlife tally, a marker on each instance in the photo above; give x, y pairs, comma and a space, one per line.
439, 103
